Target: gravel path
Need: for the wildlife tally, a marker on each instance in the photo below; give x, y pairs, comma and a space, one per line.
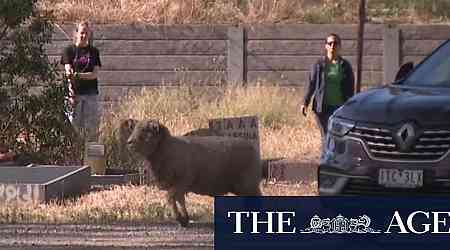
55, 237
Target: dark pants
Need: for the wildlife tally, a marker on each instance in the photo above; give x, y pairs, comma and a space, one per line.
323, 117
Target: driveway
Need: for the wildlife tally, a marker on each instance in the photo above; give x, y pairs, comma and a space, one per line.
56, 237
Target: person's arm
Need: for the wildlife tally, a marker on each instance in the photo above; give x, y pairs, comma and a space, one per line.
88, 75
67, 60
68, 70
310, 87
350, 84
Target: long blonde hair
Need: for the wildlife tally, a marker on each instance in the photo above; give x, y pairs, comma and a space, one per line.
90, 32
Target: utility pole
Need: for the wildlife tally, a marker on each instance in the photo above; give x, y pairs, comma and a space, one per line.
360, 44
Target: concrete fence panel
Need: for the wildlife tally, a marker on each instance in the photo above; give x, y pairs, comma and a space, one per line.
136, 56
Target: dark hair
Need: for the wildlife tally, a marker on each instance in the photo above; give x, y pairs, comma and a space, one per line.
338, 38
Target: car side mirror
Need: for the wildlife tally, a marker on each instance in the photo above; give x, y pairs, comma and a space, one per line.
404, 70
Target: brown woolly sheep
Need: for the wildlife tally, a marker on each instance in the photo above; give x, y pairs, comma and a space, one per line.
206, 165
202, 132
126, 127
121, 134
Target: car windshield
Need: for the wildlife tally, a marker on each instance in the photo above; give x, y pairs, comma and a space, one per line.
434, 71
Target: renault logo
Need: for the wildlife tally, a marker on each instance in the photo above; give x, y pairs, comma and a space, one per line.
405, 137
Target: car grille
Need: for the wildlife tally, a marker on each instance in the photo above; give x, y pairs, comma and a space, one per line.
370, 187
430, 145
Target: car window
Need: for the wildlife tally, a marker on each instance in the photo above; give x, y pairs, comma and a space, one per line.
434, 71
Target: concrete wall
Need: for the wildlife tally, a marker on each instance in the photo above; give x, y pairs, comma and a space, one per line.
135, 56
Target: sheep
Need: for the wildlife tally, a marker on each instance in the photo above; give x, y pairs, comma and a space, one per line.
202, 132
124, 130
121, 134
126, 127
205, 165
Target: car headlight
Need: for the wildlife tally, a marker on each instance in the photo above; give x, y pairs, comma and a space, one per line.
339, 127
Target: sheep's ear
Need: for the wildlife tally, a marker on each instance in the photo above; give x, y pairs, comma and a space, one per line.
131, 124
163, 130
152, 126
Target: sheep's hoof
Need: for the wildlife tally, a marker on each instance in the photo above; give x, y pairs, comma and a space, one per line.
184, 222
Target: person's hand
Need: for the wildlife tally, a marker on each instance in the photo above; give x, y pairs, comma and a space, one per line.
69, 73
76, 76
304, 110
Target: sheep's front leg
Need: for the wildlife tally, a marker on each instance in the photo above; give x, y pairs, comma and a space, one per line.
171, 199
180, 198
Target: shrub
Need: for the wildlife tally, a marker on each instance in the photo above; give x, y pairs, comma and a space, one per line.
32, 120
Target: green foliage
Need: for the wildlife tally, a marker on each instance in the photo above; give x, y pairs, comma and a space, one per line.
14, 12
31, 124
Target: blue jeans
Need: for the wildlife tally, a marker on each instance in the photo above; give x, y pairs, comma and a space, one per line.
85, 116
323, 117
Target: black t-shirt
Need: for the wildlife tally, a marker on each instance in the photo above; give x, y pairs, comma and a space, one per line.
82, 59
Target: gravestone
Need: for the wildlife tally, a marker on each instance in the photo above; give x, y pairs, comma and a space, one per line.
42, 183
246, 127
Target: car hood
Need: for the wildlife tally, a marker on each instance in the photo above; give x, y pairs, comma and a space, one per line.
393, 104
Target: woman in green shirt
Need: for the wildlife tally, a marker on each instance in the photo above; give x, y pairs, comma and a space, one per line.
331, 83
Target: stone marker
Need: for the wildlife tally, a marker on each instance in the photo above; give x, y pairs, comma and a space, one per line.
95, 158
246, 127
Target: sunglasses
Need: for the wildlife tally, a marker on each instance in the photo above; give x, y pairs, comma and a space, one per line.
332, 43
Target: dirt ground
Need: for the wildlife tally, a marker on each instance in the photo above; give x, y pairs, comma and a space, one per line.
99, 237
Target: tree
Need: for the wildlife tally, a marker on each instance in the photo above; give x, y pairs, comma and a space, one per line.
31, 124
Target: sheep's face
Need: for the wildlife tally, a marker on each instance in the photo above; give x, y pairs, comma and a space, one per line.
146, 137
125, 130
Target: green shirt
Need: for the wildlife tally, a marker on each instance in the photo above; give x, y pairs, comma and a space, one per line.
333, 82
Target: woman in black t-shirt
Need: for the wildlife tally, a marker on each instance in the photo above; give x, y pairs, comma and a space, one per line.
81, 61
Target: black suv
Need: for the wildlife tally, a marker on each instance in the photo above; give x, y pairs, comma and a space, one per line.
393, 139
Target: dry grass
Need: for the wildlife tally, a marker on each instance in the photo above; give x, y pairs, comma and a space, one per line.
127, 204
175, 11
246, 11
283, 130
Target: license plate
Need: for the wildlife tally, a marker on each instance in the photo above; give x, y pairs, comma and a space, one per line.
396, 178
